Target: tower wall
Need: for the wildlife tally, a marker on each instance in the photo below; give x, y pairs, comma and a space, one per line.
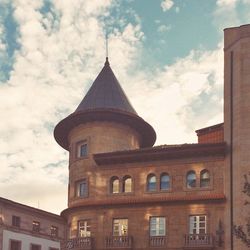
237, 127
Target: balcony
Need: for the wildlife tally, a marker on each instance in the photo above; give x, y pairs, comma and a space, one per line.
119, 242
199, 241
157, 241
79, 243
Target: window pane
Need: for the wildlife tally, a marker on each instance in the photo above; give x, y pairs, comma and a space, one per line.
191, 179
157, 226
151, 183
35, 247
165, 182
197, 224
15, 245
127, 185
82, 188
84, 228
205, 178
115, 186
120, 227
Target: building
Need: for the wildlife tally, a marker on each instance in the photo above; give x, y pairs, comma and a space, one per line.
125, 193
28, 228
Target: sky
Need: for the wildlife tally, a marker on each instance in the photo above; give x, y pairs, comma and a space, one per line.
167, 55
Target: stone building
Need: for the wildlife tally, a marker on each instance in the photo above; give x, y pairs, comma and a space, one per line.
126, 193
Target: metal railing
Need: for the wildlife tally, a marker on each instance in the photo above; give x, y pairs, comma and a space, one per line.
157, 241
119, 241
196, 240
79, 243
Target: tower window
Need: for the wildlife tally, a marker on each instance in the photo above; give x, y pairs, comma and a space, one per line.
165, 182
151, 182
115, 185
82, 188
127, 184
82, 149
191, 179
205, 178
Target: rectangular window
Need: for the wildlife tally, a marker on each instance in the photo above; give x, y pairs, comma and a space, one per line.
82, 188
54, 231
157, 226
84, 228
198, 224
35, 247
36, 226
15, 245
16, 221
82, 149
120, 227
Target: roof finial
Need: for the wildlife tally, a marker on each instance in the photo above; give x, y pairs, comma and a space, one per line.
107, 50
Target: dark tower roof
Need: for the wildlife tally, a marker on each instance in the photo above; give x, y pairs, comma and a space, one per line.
105, 101
106, 92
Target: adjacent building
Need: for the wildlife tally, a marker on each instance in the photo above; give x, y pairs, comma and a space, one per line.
126, 193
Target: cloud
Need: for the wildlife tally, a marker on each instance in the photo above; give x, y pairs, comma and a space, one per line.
227, 3
167, 5
164, 28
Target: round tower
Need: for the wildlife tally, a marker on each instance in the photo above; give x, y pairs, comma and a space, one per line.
104, 121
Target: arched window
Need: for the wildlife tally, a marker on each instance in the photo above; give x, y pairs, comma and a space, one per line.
127, 184
151, 182
114, 185
205, 178
165, 182
191, 179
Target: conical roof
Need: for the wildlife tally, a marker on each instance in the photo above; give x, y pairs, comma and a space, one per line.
106, 93
105, 101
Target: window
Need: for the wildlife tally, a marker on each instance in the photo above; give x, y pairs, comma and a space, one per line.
36, 226
151, 183
157, 226
16, 221
198, 224
165, 182
35, 247
82, 188
120, 227
114, 185
82, 149
84, 228
15, 245
191, 179
205, 178
127, 184
54, 231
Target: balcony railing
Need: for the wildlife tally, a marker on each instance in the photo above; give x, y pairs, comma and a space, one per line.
79, 243
119, 242
199, 240
157, 241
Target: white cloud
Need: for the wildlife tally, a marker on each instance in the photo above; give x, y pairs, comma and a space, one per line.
227, 3
167, 5
164, 28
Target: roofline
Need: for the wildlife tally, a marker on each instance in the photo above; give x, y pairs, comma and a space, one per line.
164, 152
26, 207
144, 129
217, 197
210, 128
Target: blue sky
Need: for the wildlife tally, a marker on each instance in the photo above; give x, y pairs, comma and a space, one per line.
167, 55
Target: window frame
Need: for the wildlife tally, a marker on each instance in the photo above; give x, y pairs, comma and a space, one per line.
124, 179
169, 182
19, 243
55, 229
16, 219
119, 230
204, 171
198, 223
78, 151
165, 226
111, 185
36, 226
86, 227
78, 184
149, 176
35, 245
187, 181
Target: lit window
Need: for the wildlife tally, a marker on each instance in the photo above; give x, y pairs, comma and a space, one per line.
36, 226
82, 149
120, 227
84, 228
54, 231
205, 178
15, 245
198, 224
35, 247
82, 188
16, 221
165, 182
151, 183
191, 179
127, 184
114, 185
157, 226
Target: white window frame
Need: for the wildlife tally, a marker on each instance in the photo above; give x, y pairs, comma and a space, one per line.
120, 227
197, 223
81, 192
157, 226
84, 228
